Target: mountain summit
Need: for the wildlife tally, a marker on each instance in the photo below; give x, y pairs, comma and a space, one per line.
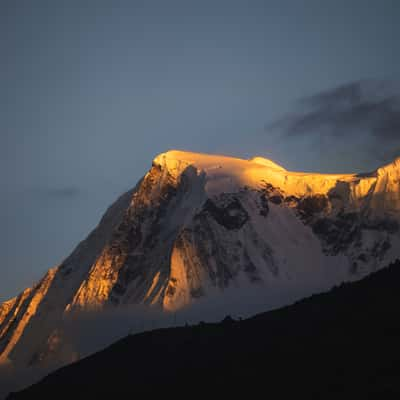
196, 226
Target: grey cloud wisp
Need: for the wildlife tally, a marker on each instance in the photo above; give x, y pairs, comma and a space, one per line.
365, 111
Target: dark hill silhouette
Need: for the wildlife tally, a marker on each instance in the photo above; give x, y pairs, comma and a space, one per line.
344, 344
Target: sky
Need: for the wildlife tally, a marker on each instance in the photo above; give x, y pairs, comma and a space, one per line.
92, 91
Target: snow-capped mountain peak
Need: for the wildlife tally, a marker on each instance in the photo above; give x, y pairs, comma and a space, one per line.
197, 226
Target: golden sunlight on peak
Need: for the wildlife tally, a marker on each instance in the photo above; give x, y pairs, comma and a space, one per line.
266, 162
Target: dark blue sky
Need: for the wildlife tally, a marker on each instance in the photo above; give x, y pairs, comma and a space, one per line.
91, 91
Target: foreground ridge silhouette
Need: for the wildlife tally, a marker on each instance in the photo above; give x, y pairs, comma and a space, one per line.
343, 344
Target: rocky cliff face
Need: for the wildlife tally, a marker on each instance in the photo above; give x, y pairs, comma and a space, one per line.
198, 224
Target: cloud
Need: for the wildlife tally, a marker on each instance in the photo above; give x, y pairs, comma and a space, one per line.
365, 111
63, 192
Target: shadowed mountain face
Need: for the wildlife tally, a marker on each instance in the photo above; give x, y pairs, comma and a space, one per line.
198, 225
343, 344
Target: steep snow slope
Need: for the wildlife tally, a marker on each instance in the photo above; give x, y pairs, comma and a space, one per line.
200, 225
